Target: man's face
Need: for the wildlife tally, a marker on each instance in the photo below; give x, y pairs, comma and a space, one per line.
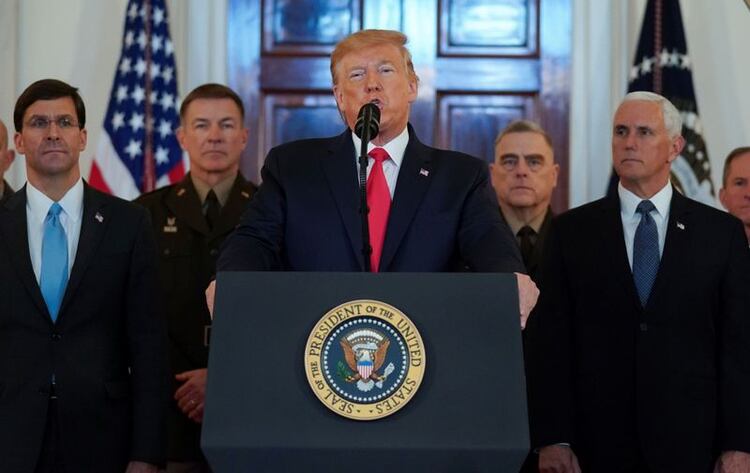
51, 139
735, 195
213, 135
641, 147
524, 173
376, 74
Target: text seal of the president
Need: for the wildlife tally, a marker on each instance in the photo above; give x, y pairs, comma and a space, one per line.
365, 359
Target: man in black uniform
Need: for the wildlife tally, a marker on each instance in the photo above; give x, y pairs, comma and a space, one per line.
191, 220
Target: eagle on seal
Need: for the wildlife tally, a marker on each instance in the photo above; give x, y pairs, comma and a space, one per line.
365, 351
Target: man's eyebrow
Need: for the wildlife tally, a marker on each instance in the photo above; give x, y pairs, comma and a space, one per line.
508, 155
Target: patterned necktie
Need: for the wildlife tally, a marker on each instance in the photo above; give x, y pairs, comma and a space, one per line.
54, 275
645, 252
379, 202
526, 235
212, 209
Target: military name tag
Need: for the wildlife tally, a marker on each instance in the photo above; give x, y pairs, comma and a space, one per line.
365, 360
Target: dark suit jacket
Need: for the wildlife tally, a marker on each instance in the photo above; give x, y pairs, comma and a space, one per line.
305, 214
107, 349
7, 192
668, 385
187, 262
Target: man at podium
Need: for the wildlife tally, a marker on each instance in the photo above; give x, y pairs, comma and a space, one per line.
430, 210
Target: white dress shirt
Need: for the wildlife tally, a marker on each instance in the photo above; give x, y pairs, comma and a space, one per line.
395, 148
630, 218
37, 207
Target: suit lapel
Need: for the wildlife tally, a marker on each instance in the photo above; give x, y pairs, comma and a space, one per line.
340, 169
675, 247
613, 241
414, 178
184, 203
94, 222
14, 227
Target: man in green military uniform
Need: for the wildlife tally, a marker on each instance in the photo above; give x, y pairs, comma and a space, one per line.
191, 220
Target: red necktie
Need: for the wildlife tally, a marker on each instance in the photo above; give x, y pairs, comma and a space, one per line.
379, 202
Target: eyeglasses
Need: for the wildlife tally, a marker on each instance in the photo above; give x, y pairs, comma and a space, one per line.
43, 123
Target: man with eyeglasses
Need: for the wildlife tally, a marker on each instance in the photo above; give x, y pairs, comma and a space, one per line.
6, 158
82, 342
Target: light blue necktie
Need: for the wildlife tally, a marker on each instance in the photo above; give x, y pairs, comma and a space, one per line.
54, 275
645, 252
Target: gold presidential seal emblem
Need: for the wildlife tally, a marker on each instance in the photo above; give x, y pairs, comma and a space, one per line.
364, 360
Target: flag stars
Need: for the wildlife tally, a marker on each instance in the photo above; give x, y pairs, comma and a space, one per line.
122, 93
129, 39
162, 156
138, 94
140, 67
156, 43
685, 61
167, 74
167, 101
155, 70
133, 11
136, 122
158, 16
168, 47
133, 149
646, 65
142, 40
125, 65
118, 120
674, 58
165, 129
664, 57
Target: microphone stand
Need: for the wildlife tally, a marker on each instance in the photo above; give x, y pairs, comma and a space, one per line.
364, 210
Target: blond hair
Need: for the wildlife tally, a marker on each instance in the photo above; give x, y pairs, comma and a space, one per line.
369, 38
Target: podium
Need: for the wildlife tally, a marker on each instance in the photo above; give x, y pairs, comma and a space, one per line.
468, 415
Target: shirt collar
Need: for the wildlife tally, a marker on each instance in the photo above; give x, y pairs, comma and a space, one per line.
221, 189
71, 203
629, 201
395, 148
517, 224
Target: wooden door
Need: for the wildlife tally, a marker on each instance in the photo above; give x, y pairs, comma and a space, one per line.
481, 64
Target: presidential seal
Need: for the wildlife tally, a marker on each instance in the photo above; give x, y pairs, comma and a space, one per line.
364, 360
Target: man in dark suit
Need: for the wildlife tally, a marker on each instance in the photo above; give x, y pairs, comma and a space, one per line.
190, 221
430, 210
82, 344
6, 158
735, 186
643, 321
524, 175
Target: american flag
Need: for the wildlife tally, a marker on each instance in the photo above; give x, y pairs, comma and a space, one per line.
662, 65
138, 150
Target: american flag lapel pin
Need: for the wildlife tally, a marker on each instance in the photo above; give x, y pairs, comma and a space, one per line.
424, 172
680, 225
99, 218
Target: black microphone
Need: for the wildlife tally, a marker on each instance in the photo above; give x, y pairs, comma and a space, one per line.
368, 122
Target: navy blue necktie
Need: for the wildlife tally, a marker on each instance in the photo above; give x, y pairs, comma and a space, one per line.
645, 252
54, 275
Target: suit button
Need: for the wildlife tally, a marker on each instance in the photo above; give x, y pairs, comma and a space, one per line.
644, 327
213, 252
56, 336
166, 251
